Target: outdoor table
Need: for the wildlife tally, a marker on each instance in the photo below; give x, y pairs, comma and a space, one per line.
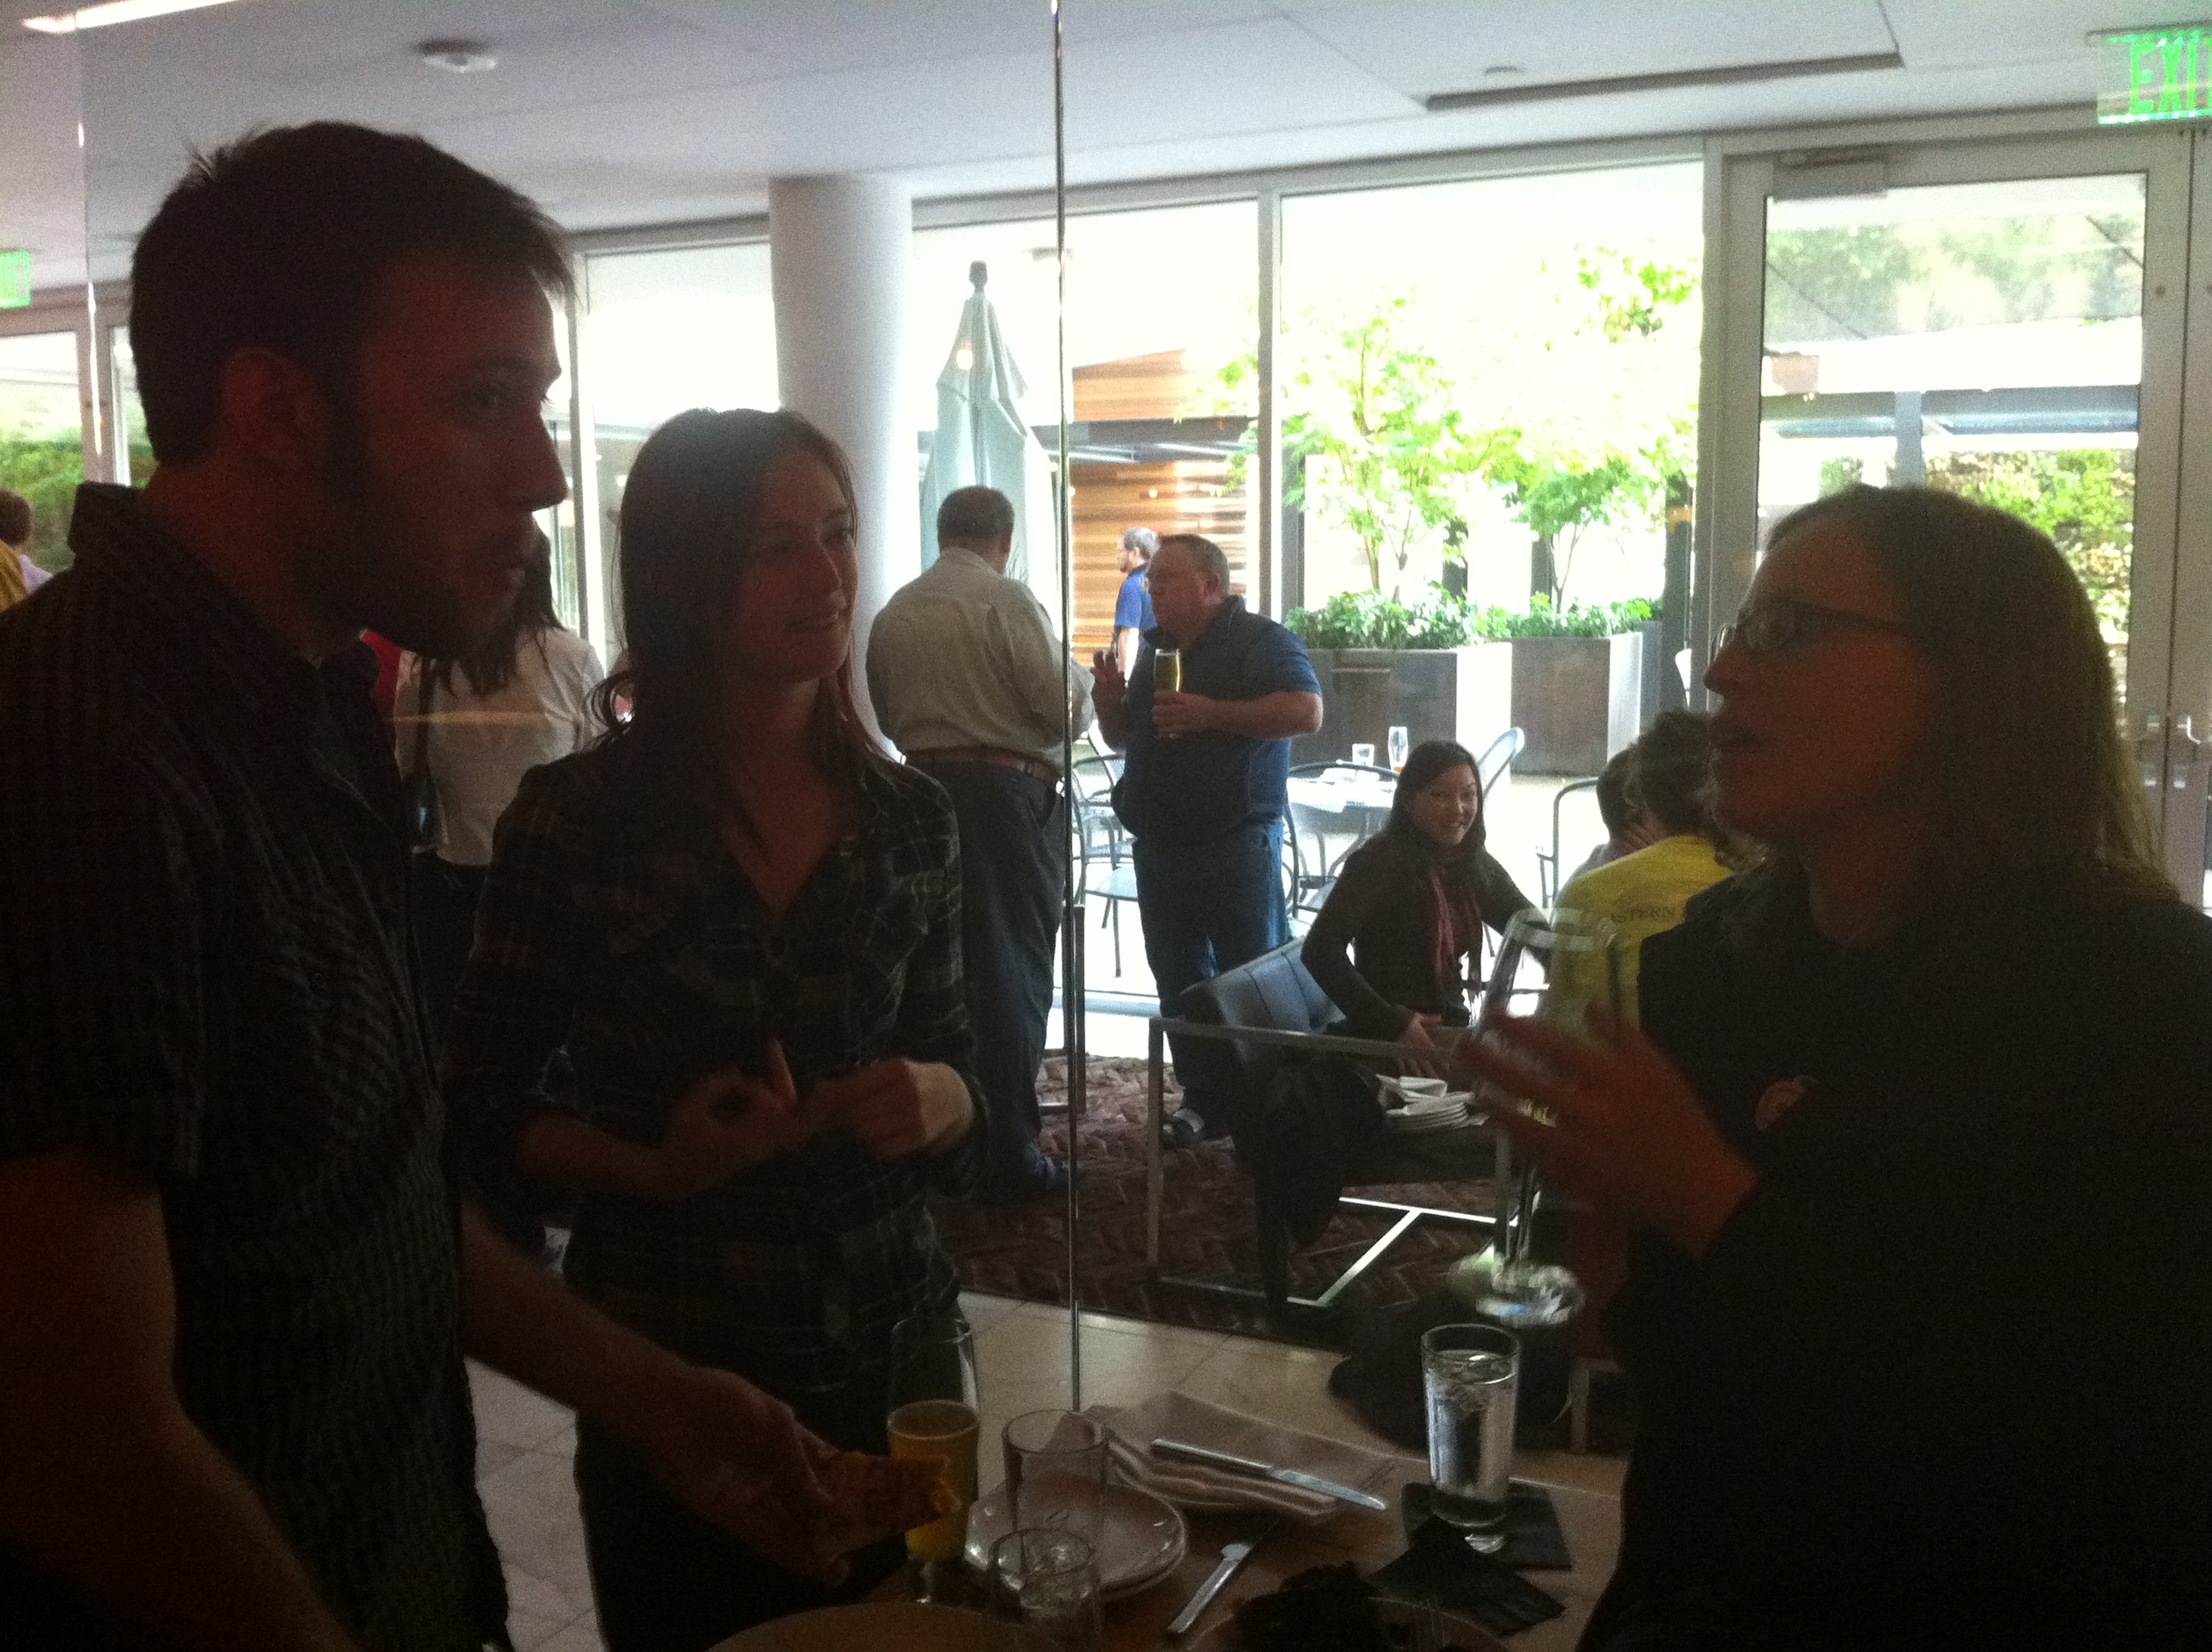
1590, 1519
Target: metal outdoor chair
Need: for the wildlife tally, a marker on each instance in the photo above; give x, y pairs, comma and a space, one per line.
1267, 1010
1497, 757
1315, 840
1104, 864
1550, 874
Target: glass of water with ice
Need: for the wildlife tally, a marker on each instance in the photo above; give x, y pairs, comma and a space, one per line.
1471, 1373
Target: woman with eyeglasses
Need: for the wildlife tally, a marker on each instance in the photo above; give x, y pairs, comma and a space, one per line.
1916, 1136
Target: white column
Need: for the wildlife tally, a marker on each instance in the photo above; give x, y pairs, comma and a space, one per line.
838, 253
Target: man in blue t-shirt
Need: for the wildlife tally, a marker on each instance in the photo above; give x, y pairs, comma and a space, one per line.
1202, 792
1132, 606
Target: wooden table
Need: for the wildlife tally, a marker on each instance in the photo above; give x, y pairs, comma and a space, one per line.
1590, 1519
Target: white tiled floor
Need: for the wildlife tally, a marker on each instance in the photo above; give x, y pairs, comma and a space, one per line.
1023, 1357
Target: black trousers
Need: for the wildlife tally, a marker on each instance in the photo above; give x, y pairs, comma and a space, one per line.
1013, 850
665, 1579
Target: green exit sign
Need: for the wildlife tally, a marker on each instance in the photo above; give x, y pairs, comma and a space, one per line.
14, 279
2154, 74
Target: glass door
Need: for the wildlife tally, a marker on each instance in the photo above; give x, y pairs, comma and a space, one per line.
2002, 319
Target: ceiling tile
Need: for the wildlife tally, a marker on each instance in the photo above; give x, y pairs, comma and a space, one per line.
1427, 46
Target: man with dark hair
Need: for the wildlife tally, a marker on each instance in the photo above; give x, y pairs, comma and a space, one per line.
971, 683
1133, 603
1204, 791
236, 1274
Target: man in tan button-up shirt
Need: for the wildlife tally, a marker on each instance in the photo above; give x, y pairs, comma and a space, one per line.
971, 683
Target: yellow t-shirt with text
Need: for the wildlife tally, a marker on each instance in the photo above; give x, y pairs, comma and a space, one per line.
1639, 895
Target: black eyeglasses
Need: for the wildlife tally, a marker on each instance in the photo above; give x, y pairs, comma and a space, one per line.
1783, 625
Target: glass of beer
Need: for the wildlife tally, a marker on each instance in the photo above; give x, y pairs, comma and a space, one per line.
1167, 670
933, 1414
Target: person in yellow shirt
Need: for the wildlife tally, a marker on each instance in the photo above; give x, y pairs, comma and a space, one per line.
15, 540
1668, 794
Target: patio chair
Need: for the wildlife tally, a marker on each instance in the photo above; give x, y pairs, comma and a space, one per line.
1316, 839
1497, 757
1275, 996
1102, 861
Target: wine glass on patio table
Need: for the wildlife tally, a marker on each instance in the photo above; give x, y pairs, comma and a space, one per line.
1565, 962
934, 1414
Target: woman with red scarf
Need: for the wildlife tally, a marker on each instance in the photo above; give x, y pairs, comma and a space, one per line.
1391, 943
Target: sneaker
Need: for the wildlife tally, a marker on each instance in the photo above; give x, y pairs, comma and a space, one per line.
1185, 1128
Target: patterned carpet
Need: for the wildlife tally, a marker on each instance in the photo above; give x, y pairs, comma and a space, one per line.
1207, 1230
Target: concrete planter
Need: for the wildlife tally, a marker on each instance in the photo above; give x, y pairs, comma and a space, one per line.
1576, 700
1437, 694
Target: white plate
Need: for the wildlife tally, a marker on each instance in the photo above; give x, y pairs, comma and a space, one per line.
1144, 1537
874, 1625
1433, 1106
1413, 1091
1415, 1125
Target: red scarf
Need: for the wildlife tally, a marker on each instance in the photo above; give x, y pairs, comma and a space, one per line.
1454, 923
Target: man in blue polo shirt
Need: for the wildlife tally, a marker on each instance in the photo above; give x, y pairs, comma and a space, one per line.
1202, 792
1133, 605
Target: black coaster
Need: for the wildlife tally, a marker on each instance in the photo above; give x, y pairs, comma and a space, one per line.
1534, 1541
1439, 1570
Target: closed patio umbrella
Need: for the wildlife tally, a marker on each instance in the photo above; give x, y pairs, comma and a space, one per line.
982, 439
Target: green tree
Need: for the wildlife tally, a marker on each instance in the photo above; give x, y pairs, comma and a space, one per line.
1388, 455
44, 470
2083, 497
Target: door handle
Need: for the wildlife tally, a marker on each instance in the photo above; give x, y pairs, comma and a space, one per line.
2184, 751
2150, 750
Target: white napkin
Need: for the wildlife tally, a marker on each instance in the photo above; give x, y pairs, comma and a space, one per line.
1177, 1416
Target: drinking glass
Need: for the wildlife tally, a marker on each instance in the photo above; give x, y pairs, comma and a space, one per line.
1167, 670
1056, 1472
934, 1414
1470, 1374
1565, 962
1048, 1580
1363, 753
1399, 745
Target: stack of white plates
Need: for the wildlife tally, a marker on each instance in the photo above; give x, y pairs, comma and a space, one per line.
1431, 1112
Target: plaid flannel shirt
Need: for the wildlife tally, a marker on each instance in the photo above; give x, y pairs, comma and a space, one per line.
617, 928
211, 987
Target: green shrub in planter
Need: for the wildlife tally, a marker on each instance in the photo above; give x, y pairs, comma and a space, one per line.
1443, 619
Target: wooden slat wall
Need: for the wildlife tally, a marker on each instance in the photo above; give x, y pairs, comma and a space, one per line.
1187, 497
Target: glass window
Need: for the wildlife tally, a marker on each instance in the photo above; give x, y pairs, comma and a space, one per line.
1491, 384
1162, 324
665, 331
1984, 338
42, 435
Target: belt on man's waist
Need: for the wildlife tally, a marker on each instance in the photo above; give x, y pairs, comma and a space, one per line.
996, 757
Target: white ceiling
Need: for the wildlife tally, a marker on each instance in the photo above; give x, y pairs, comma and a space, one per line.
620, 112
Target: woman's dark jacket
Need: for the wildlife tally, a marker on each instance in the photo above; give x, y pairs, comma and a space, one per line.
1371, 948
1944, 1377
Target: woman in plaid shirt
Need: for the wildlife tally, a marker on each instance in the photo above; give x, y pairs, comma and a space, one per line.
739, 923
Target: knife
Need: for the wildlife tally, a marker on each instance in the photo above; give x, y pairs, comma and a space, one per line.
1232, 1557
1236, 1464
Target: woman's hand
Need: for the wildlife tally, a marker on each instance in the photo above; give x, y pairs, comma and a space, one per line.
1625, 1127
1416, 1034
896, 1108
729, 1120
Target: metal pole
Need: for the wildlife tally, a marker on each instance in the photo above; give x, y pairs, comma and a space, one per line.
1071, 923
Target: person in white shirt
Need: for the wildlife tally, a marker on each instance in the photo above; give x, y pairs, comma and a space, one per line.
971, 685
521, 700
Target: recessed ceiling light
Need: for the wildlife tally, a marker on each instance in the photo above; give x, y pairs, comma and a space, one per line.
1500, 71
458, 57
112, 12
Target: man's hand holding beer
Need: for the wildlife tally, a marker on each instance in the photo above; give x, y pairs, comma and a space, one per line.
1175, 713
